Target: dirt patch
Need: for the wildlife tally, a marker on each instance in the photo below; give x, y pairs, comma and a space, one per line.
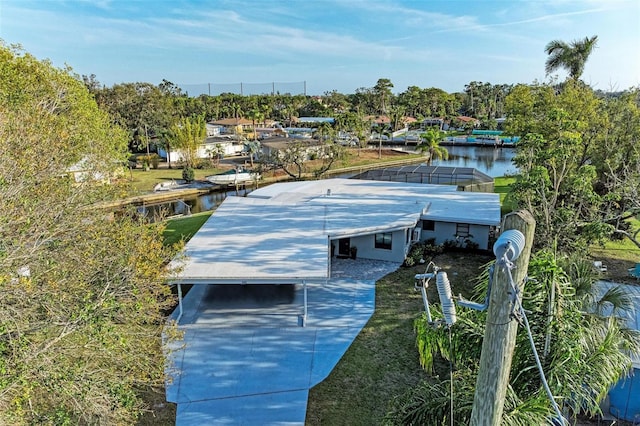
617, 271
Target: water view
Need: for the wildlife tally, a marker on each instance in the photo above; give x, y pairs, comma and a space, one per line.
492, 161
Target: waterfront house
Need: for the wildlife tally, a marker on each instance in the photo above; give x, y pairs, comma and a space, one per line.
288, 232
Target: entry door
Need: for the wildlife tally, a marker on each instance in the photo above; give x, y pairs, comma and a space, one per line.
344, 244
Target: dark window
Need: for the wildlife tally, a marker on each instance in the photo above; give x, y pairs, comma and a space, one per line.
462, 229
383, 241
428, 225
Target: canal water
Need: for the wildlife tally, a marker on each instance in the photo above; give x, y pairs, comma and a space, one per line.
492, 161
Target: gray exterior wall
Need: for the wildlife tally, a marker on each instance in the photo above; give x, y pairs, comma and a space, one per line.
401, 241
367, 249
444, 231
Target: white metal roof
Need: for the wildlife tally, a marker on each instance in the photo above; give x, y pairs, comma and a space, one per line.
253, 241
280, 233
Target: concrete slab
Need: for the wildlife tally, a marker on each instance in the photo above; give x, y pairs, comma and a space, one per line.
286, 408
246, 360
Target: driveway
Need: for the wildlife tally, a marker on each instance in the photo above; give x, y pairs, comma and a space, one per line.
246, 360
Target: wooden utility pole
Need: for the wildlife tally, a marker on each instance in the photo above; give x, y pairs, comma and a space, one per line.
500, 333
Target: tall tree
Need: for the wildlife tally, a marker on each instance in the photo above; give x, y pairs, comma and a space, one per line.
82, 292
256, 116
382, 89
572, 56
557, 180
431, 145
294, 159
187, 136
384, 131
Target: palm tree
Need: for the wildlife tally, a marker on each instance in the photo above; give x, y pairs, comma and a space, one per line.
324, 129
571, 57
431, 144
256, 116
582, 360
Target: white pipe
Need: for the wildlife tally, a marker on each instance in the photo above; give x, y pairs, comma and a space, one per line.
446, 299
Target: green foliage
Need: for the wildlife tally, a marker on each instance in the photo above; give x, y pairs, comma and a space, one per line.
431, 145
423, 251
571, 56
557, 180
187, 136
188, 174
82, 293
152, 160
584, 349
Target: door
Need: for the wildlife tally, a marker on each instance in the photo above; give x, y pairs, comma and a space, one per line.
344, 245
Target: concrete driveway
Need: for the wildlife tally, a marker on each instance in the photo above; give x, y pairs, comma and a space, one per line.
245, 359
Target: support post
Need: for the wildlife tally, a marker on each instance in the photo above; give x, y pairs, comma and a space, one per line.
500, 333
179, 303
304, 315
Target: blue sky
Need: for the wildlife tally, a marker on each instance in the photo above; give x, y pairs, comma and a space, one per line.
330, 44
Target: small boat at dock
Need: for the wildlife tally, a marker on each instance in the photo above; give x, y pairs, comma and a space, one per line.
233, 176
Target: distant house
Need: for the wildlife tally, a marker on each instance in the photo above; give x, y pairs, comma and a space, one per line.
233, 125
83, 171
467, 121
275, 145
313, 120
435, 122
214, 130
228, 146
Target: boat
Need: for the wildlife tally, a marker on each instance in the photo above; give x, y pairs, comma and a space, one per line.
167, 186
233, 176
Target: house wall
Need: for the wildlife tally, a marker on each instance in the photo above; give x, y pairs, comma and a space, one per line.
367, 249
444, 231
229, 149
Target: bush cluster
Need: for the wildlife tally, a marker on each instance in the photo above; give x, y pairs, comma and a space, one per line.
188, 174
422, 251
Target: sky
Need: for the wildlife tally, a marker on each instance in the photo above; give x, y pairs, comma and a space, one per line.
317, 46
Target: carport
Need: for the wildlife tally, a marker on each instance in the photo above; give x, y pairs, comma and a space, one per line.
236, 247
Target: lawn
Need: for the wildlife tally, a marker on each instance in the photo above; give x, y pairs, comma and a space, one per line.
142, 181
382, 363
501, 186
184, 228
618, 256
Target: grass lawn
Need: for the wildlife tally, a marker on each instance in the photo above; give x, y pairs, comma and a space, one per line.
501, 186
618, 256
144, 181
382, 363
184, 227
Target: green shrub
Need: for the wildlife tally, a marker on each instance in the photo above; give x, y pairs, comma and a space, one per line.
188, 174
201, 163
152, 160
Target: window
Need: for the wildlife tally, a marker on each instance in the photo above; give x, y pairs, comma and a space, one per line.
383, 241
462, 230
428, 225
